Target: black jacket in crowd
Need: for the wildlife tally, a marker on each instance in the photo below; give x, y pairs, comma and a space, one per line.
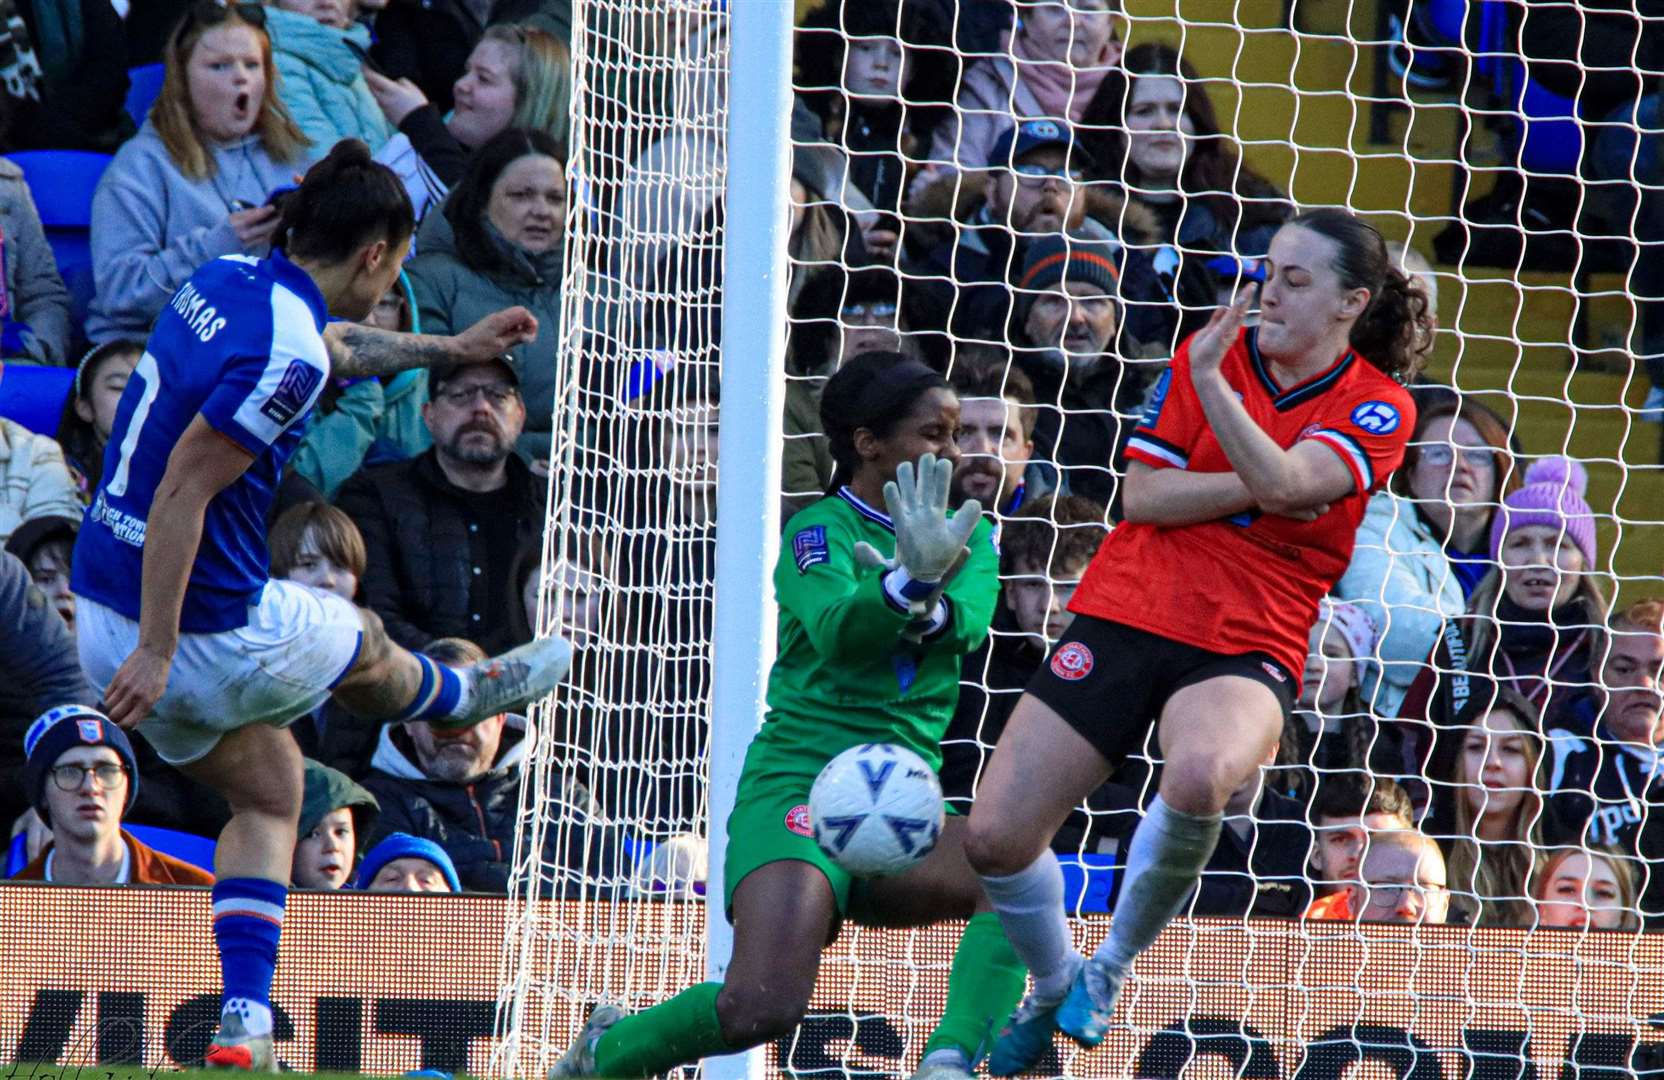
476, 823
1609, 794
430, 573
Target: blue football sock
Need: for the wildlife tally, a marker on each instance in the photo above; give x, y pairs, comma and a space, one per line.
248, 917
438, 696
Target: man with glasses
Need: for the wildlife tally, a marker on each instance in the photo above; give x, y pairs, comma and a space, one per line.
442, 529
81, 778
1402, 879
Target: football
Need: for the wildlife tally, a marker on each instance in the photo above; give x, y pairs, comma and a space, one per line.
876, 809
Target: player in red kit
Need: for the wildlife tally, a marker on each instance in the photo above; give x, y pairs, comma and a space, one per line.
1245, 485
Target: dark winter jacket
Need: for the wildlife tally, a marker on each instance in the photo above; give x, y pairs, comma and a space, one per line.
1082, 422
1524, 648
427, 42
427, 575
38, 671
476, 823
1606, 793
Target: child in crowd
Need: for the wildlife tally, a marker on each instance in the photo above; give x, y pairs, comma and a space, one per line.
46, 545
336, 817
90, 413
1585, 887
403, 864
318, 545
318, 50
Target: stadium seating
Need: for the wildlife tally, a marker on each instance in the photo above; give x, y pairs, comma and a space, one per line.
62, 183
143, 84
34, 396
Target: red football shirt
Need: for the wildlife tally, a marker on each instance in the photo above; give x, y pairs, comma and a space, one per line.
1251, 582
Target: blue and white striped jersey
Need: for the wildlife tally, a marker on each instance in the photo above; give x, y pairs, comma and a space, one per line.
240, 343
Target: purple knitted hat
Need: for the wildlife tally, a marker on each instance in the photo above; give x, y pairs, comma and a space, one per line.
1552, 496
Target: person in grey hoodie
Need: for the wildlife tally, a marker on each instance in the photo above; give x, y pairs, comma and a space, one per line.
507, 219
196, 182
35, 324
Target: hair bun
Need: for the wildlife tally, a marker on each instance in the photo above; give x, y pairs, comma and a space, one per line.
1558, 471
348, 153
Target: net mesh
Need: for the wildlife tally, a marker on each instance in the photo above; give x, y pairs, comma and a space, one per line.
1530, 221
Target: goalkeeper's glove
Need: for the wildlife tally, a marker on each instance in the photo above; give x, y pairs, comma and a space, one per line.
930, 546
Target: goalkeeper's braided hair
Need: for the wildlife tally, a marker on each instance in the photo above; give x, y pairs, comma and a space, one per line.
876, 391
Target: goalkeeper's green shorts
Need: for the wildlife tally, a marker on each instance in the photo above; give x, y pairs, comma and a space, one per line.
769, 824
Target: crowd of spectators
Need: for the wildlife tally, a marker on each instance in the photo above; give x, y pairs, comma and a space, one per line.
1476, 738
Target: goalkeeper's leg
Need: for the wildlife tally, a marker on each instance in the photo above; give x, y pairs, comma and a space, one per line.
784, 912
987, 977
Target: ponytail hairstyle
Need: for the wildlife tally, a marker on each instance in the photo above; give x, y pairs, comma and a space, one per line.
876, 391
1395, 331
346, 201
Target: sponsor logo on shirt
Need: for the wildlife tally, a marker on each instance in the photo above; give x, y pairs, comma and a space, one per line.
123, 526
1376, 417
1274, 671
1073, 662
797, 820
293, 391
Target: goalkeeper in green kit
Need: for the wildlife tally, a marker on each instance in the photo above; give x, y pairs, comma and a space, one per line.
869, 652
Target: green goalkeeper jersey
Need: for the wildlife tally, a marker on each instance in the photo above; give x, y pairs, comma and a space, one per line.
844, 674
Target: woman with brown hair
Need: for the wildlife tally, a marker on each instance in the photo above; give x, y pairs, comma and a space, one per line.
1151, 131
1488, 808
197, 181
1424, 543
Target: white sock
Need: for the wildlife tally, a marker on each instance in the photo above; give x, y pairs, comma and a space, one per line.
1030, 906
257, 1018
1163, 865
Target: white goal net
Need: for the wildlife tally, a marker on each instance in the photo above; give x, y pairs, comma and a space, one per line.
944, 156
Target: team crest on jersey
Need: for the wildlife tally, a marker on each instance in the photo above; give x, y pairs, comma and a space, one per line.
809, 547
293, 391
1376, 417
1072, 662
797, 820
1274, 671
91, 731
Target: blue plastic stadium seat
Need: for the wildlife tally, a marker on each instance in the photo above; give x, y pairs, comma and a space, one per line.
34, 396
62, 183
196, 850
1445, 17
143, 85
1088, 881
188, 847
1550, 140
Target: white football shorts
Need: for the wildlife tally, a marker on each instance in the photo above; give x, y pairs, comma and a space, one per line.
299, 642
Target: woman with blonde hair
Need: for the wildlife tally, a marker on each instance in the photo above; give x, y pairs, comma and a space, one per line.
198, 180
517, 77
1579, 887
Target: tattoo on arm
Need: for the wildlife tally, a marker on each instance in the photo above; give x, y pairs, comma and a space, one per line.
357, 351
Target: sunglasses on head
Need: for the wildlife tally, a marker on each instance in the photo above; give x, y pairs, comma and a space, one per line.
209, 13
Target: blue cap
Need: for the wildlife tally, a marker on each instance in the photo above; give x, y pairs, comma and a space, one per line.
404, 846
65, 728
1016, 143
